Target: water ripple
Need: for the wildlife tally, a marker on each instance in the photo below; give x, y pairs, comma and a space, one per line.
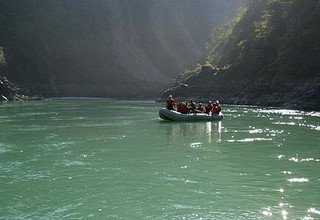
250, 140
69, 163
279, 111
180, 180
297, 160
312, 127
31, 128
181, 206
64, 211
4, 148
19, 176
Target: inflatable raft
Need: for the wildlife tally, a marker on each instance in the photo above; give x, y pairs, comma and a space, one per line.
177, 116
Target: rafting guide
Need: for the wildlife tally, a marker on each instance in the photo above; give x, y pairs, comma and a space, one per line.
170, 103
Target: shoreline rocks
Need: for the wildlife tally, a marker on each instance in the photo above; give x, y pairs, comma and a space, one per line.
10, 91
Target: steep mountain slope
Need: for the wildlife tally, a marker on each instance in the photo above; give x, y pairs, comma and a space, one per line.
271, 57
110, 48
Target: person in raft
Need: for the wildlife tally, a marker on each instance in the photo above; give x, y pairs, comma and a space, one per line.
216, 109
170, 103
200, 108
192, 106
209, 107
183, 108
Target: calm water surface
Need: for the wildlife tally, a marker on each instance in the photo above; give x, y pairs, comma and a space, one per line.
99, 159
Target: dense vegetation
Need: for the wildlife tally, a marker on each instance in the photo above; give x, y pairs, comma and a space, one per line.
268, 55
106, 48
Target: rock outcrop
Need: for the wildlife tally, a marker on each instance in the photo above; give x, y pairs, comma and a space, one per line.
10, 91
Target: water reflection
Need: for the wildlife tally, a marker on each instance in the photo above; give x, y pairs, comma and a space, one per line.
219, 131
198, 133
216, 132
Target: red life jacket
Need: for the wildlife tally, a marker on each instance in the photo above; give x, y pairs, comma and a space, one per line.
219, 108
183, 108
200, 109
209, 108
170, 102
216, 108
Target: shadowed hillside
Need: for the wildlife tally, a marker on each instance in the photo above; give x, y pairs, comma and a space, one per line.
105, 48
267, 55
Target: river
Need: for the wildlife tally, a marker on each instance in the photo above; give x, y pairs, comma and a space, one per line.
104, 159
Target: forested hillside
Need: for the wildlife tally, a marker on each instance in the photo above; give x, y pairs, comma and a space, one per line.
269, 54
104, 48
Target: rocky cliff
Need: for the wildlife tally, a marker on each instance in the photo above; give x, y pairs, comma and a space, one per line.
10, 91
271, 58
106, 48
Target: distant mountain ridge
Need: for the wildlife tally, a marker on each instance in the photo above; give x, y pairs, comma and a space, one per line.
105, 48
270, 58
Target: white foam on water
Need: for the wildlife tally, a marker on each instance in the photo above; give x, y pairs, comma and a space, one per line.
267, 211
313, 211
283, 123
298, 180
313, 114
281, 112
297, 160
286, 172
254, 139
256, 131
196, 144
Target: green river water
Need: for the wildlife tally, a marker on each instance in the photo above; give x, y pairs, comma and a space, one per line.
102, 159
